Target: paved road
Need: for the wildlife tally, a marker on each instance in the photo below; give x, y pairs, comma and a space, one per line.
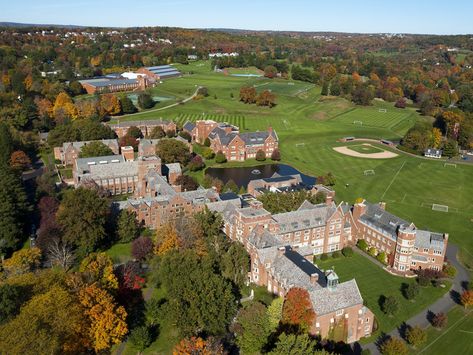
443, 304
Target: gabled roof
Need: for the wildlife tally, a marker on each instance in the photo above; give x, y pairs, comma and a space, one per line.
307, 216
378, 218
189, 126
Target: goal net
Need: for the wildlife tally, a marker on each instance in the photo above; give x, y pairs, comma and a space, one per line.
358, 122
383, 110
369, 172
440, 208
451, 165
300, 144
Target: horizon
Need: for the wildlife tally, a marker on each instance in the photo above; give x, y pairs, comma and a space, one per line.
369, 17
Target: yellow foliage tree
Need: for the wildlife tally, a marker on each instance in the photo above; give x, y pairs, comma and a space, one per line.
436, 137
109, 104
28, 82
197, 346
166, 239
107, 320
98, 267
22, 261
63, 106
86, 108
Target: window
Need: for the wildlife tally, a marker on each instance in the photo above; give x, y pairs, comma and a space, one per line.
317, 325
331, 320
426, 250
438, 252
339, 312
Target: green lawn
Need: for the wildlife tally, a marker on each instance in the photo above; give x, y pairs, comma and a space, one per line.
120, 252
456, 338
374, 282
365, 148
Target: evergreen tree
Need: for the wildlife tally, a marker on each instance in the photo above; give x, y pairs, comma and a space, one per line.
127, 105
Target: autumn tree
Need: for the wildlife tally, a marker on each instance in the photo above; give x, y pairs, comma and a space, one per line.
266, 98
274, 312
19, 161
22, 261
248, 95
252, 328
416, 336
198, 346
127, 226
297, 309
166, 239
187, 183
98, 268
439, 320
394, 346
109, 105
157, 133
107, 320
270, 71
82, 216
141, 247
87, 109
64, 108
436, 137
467, 298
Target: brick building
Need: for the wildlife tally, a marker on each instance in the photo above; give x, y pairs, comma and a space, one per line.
160, 72
146, 127
408, 248
70, 151
104, 85
148, 146
234, 145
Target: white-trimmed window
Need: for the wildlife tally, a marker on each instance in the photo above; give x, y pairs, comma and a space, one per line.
339, 312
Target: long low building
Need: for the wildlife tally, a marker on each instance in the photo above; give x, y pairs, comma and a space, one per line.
146, 126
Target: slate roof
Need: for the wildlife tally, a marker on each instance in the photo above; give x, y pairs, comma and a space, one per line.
327, 300
221, 206
103, 82
307, 216
225, 138
426, 239
189, 126
261, 238
381, 220
256, 138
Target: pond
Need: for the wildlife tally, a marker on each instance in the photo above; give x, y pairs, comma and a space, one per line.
243, 175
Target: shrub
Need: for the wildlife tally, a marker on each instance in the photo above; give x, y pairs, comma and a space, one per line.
372, 251
423, 280
185, 135
336, 254
390, 305
394, 346
323, 257
411, 291
141, 247
207, 142
347, 252
196, 163
381, 257
140, 338
208, 153
314, 259
467, 298
361, 244
450, 270
439, 320
260, 155
145, 101
220, 157
401, 103
416, 336
276, 155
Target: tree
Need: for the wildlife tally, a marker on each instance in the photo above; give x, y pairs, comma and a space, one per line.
187, 183
295, 344
324, 91
266, 98
95, 149
107, 320
140, 338
270, 71
416, 336
82, 216
134, 132
436, 137
449, 270
22, 261
60, 254
6, 143
220, 158
230, 186
97, 268
467, 298
198, 346
347, 252
208, 153
64, 107
166, 239
185, 135
297, 310
19, 161
372, 251
141, 247
236, 264
127, 105
381, 257
207, 142
196, 163
252, 328
157, 133
248, 95
411, 291
127, 226
401, 103
172, 151
275, 313
52, 321
394, 346
9, 302
260, 155
109, 105
362, 244
145, 101
362, 95
276, 155
390, 305
450, 148
439, 320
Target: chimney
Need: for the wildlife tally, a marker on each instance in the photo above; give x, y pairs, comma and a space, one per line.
359, 209
256, 204
270, 129
281, 251
329, 199
314, 278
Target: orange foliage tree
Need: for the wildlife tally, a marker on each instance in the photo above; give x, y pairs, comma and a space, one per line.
109, 104
19, 160
297, 309
197, 346
467, 298
107, 320
98, 267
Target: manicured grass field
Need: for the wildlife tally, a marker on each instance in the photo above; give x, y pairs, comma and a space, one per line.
364, 148
374, 282
456, 338
237, 120
120, 253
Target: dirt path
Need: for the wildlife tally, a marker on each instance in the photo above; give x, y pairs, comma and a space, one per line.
382, 155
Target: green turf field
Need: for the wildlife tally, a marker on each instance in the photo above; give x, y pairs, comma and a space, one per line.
309, 126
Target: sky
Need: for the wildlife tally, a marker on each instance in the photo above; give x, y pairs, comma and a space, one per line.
363, 16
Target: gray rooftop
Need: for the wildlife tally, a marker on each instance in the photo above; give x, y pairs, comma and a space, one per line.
381, 220
426, 239
189, 126
307, 216
327, 300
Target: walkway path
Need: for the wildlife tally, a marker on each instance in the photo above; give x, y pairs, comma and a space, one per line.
443, 304
161, 108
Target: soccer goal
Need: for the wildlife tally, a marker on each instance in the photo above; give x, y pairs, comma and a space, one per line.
300, 145
383, 110
449, 165
368, 172
358, 122
440, 208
